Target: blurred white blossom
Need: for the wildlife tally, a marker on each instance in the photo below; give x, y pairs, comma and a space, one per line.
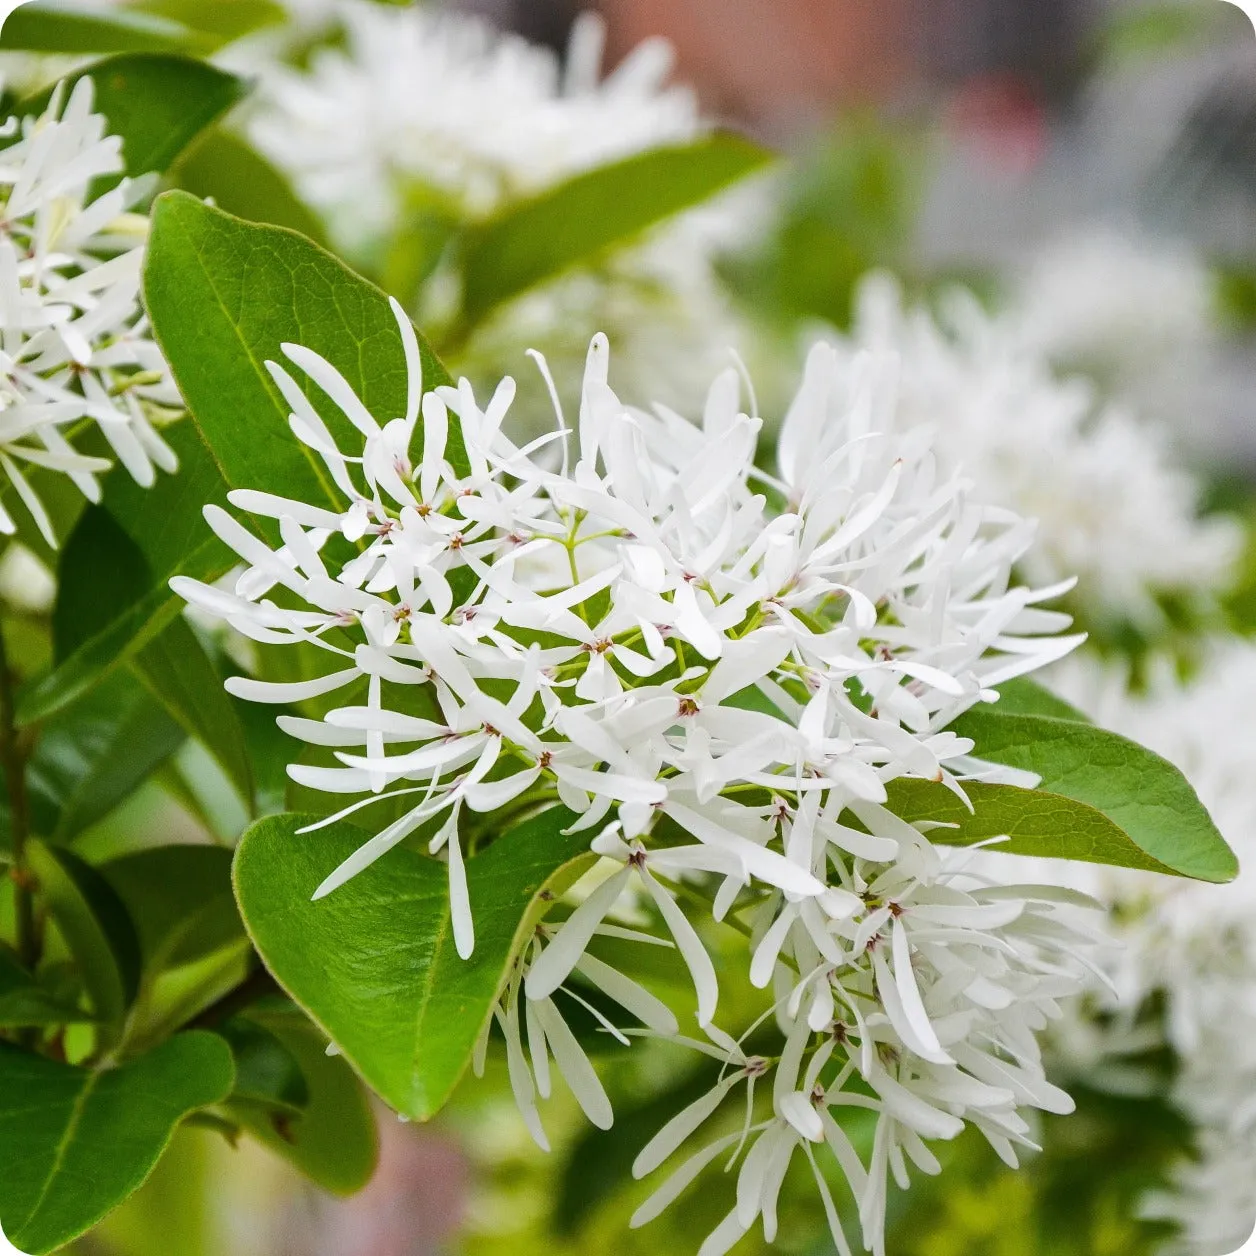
1113, 505
442, 102
1186, 943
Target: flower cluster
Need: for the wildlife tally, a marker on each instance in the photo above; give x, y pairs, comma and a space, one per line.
74, 344
1113, 504
720, 674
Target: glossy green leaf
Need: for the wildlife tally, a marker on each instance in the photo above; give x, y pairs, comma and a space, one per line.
221, 166
93, 755
267, 1073
1023, 696
333, 1142
180, 674
180, 900
374, 962
534, 240
76, 1142
114, 598
1034, 821
1143, 795
69, 29
224, 295
95, 925
157, 103
25, 1003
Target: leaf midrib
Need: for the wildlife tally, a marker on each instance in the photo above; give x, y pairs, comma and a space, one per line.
63, 1144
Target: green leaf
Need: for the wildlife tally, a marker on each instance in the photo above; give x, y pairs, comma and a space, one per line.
267, 1073
25, 1003
1034, 821
1144, 795
180, 900
182, 677
1023, 696
114, 595
95, 925
68, 29
534, 240
93, 755
158, 104
76, 1142
374, 962
224, 20
221, 166
224, 295
334, 1141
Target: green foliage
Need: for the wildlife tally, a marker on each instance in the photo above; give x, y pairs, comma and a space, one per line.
223, 21
116, 593
92, 755
849, 207
267, 1074
241, 181
25, 1003
178, 670
534, 240
333, 1141
179, 899
1158, 29
1035, 822
1143, 794
374, 963
69, 29
95, 925
75, 1142
158, 104
224, 295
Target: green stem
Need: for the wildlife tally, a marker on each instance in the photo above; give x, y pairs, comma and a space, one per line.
13, 760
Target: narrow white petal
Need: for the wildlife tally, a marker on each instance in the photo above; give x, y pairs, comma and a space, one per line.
574, 1065
568, 944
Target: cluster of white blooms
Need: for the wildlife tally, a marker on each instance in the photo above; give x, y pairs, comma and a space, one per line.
74, 343
1190, 943
717, 672
417, 98
1113, 504
1115, 303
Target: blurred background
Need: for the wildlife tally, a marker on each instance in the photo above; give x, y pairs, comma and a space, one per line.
1085, 167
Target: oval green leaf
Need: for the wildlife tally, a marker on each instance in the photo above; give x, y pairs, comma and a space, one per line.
374, 962
74, 1143
1143, 795
534, 240
224, 295
157, 104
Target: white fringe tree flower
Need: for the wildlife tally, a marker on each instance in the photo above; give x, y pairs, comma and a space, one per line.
718, 671
74, 343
